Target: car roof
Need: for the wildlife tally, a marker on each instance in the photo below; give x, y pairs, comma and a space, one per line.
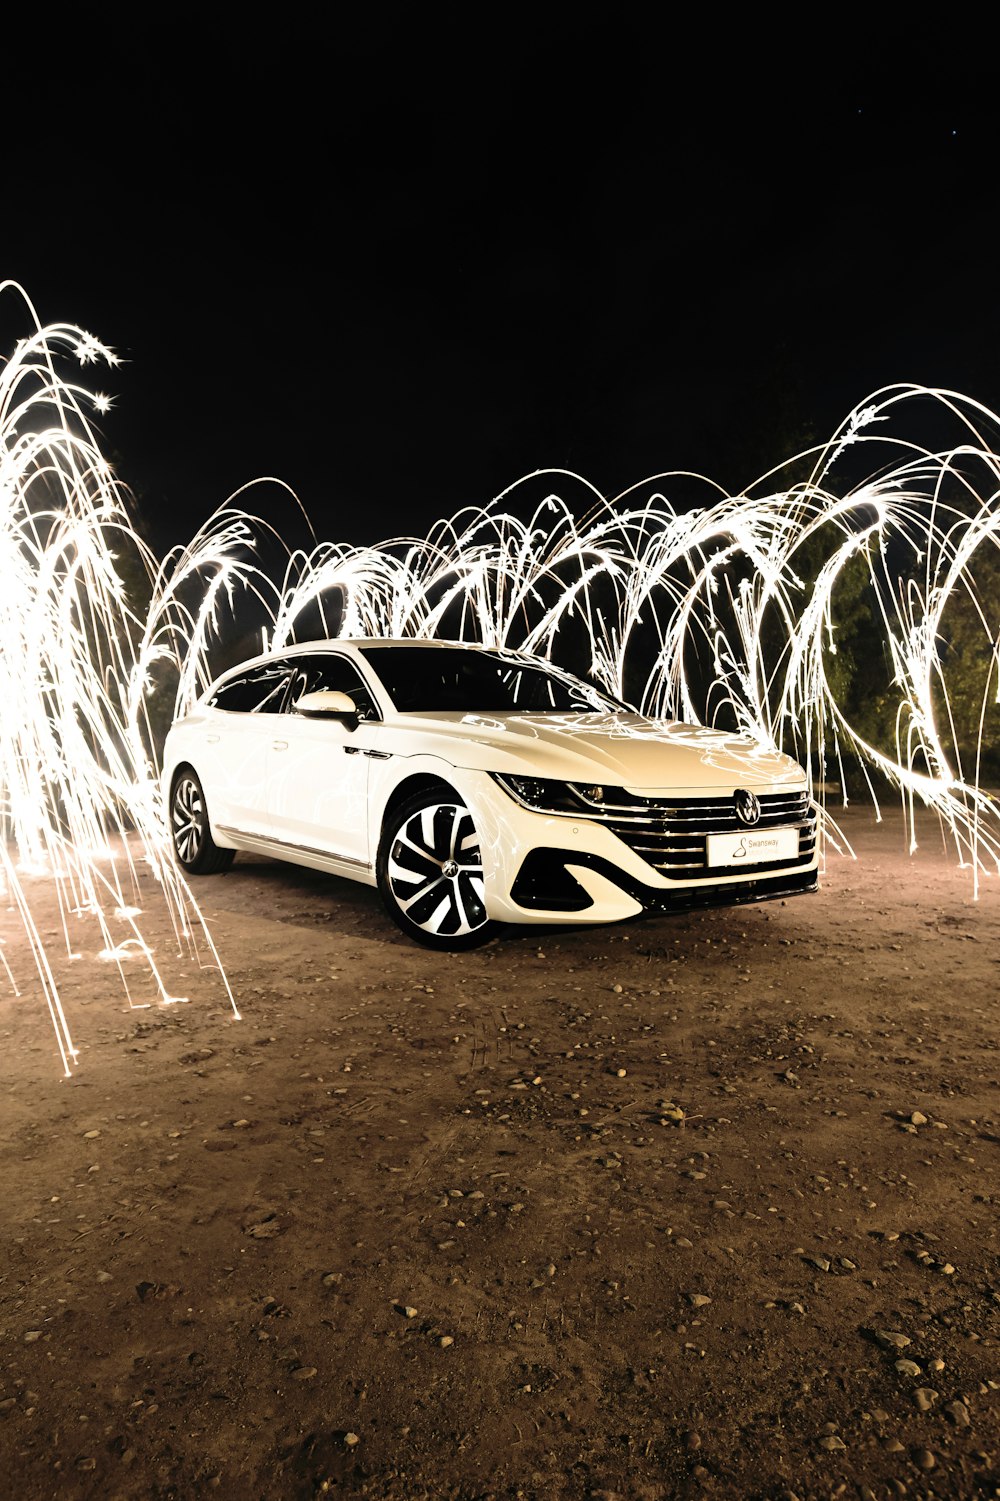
355, 643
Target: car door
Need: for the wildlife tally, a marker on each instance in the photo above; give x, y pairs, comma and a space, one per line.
317, 769
234, 741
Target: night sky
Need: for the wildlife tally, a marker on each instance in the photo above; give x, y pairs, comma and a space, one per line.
401, 263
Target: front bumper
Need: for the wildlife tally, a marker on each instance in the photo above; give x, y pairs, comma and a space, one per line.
555, 881
540, 867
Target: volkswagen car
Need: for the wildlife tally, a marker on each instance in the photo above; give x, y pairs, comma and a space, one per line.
475, 786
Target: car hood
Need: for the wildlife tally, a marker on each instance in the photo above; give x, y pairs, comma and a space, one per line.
622, 749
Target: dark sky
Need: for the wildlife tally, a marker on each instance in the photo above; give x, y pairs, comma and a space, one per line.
399, 264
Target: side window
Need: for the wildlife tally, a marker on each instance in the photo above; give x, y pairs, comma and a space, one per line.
260, 690
327, 671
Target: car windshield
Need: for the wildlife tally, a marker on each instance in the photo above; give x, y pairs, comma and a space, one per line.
428, 679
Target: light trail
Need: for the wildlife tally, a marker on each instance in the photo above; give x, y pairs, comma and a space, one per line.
736, 612
727, 613
79, 799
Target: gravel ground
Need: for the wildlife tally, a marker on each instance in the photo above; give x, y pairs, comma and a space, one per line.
694, 1206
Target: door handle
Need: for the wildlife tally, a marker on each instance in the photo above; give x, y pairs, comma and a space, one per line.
212, 739
279, 744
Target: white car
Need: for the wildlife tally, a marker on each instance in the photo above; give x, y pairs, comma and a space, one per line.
473, 786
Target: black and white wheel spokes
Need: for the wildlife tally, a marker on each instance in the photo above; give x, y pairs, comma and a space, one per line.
435, 871
188, 819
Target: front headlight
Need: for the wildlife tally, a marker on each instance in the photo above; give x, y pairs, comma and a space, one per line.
548, 796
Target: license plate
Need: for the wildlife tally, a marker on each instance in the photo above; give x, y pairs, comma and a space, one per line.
752, 847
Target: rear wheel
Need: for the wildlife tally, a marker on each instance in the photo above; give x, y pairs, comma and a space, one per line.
194, 846
430, 872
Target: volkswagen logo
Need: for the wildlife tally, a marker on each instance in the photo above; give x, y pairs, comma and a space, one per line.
747, 806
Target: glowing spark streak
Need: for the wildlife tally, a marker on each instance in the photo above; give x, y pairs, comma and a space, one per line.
726, 614
78, 783
751, 580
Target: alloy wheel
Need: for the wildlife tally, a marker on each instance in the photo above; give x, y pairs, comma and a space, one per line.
188, 815
435, 871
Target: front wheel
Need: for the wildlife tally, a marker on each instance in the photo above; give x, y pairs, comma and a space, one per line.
430, 872
194, 846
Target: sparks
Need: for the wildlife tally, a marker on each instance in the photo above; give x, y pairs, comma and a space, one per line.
79, 797
728, 614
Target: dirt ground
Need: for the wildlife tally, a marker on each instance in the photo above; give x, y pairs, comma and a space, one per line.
695, 1206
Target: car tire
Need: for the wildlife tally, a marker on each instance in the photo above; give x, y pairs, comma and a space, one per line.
430, 872
194, 847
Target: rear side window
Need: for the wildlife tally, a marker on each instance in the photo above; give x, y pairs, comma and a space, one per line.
324, 671
259, 690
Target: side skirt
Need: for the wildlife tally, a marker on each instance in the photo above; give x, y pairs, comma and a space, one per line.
301, 854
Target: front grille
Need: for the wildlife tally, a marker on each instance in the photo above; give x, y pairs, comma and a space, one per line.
669, 833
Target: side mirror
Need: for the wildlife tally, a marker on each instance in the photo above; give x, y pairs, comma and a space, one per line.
328, 703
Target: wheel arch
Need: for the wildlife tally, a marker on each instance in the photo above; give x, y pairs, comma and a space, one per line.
174, 775
175, 771
420, 782
207, 857
454, 890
